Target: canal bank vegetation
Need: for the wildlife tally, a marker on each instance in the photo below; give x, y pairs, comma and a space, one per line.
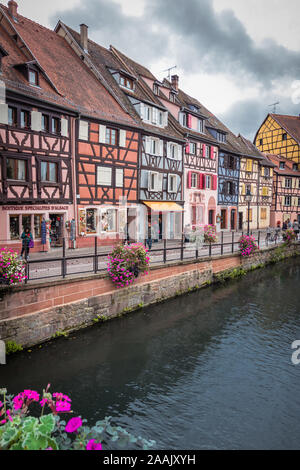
25, 425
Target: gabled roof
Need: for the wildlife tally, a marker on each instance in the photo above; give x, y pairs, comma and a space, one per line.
288, 170
71, 84
104, 60
249, 149
290, 123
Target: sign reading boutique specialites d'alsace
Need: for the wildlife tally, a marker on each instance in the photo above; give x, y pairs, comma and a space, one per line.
35, 208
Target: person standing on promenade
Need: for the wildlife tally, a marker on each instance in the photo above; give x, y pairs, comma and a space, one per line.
27, 242
150, 235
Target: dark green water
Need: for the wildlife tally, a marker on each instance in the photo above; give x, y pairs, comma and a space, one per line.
210, 370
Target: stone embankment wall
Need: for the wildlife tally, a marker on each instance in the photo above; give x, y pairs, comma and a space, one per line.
32, 314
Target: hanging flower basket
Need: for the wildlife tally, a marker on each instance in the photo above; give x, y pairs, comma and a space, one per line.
12, 269
248, 245
210, 235
126, 263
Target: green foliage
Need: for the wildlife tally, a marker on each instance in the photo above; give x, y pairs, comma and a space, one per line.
12, 347
58, 334
28, 433
230, 274
19, 430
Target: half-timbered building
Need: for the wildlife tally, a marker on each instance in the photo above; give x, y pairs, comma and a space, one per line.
265, 192
83, 144
160, 190
286, 191
200, 153
35, 148
280, 135
249, 184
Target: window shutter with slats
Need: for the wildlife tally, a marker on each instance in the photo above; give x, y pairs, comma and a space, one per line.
102, 134
83, 130
36, 121
122, 138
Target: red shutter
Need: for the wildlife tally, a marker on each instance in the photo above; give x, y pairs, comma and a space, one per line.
212, 152
187, 148
189, 121
199, 178
214, 182
189, 182
203, 150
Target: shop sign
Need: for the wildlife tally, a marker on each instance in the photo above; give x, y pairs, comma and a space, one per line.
35, 208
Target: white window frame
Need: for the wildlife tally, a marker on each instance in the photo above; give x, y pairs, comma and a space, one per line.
288, 183
207, 181
193, 145
173, 178
288, 198
201, 125
194, 180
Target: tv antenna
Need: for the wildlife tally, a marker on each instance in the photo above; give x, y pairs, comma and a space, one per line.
274, 104
169, 71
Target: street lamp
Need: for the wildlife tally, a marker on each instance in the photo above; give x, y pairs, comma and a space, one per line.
248, 198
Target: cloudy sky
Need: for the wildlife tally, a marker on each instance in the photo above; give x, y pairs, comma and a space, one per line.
236, 56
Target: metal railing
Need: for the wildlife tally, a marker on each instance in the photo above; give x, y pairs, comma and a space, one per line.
95, 261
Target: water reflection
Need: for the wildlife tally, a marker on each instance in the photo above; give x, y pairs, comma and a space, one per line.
209, 370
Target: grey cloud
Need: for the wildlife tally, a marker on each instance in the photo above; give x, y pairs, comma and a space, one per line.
246, 116
108, 25
192, 35
203, 39
219, 42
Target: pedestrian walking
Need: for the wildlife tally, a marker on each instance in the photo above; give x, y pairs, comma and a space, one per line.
289, 224
149, 240
27, 242
284, 226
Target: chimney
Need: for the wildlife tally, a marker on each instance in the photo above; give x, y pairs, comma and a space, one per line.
13, 9
84, 36
174, 81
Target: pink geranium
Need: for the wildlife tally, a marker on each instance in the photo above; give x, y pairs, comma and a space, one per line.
73, 424
93, 445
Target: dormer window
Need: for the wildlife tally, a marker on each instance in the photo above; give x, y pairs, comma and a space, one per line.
183, 119
126, 82
33, 77
155, 89
295, 166
200, 125
221, 137
281, 165
172, 97
194, 108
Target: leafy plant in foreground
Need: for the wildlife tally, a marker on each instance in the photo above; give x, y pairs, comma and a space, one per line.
20, 429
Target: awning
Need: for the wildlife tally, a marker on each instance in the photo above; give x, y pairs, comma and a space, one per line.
164, 206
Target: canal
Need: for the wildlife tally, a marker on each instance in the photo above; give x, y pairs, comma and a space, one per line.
209, 370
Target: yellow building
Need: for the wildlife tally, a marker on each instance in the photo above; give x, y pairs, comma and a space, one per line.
280, 135
256, 178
